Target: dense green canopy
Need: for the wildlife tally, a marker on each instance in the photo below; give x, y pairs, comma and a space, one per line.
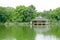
24, 14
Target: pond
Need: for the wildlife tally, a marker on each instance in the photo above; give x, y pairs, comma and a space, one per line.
40, 36
16, 32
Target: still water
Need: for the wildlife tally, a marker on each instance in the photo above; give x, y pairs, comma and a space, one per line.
40, 36
47, 37
15, 32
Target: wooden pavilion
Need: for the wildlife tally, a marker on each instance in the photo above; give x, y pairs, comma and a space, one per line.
38, 21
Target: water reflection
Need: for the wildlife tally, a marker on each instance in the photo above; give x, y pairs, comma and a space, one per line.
9, 38
15, 32
40, 36
46, 37
40, 29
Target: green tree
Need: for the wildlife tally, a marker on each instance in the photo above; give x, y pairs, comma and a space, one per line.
25, 14
9, 13
3, 17
56, 12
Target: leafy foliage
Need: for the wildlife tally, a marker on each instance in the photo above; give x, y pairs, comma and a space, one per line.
25, 14
2, 14
53, 15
